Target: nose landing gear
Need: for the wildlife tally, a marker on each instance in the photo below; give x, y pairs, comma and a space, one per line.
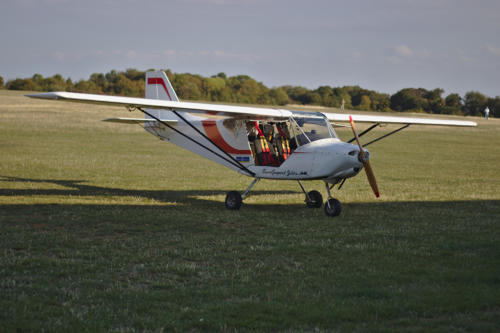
333, 207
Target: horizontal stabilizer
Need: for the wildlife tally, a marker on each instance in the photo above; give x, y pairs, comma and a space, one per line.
137, 121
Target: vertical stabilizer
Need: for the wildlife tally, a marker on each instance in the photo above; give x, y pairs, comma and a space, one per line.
158, 86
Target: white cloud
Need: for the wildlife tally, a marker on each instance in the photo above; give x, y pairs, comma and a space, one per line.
59, 55
394, 60
464, 58
214, 54
494, 50
131, 54
424, 54
403, 50
169, 52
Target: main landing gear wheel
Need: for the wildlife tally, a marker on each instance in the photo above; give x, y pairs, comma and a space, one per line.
314, 199
333, 207
233, 200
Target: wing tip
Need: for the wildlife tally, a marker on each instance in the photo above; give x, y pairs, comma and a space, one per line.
47, 95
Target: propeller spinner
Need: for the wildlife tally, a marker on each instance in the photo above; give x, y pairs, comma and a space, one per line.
364, 157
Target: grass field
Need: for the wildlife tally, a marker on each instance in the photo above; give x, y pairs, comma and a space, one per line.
105, 228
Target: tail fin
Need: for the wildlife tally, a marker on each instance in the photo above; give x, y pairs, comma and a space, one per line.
159, 87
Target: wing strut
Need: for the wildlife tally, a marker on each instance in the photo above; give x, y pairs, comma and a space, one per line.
364, 132
230, 161
241, 166
385, 136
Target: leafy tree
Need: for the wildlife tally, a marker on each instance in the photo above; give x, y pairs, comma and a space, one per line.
187, 86
86, 86
365, 103
432, 94
494, 106
69, 85
279, 96
22, 84
474, 103
342, 94
380, 102
408, 99
435, 104
356, 93
169, 73
100, 81
453, 104
360, 98
55, 83
249, 91
244, 89
326, 95
124, 86
453, 100
214, 88
39, 81
298, 95
134, 75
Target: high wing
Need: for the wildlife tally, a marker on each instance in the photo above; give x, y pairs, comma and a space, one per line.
203, 108
232, 111
340, 117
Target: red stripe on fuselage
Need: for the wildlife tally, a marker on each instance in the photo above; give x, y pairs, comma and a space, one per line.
159, 80
213, 133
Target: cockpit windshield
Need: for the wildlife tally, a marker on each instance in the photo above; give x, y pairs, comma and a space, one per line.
311, 126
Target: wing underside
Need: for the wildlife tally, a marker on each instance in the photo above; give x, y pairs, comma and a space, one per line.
201, 108
341, 118
140, 121
240, 112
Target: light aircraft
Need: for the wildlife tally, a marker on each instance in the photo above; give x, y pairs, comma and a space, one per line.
256, 142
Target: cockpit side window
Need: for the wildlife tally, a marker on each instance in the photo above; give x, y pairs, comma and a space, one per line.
309, 127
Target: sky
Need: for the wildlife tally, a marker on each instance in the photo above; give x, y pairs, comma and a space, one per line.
382, 45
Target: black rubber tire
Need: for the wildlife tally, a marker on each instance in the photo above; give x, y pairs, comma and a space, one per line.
316, 199
333, 207
233, 200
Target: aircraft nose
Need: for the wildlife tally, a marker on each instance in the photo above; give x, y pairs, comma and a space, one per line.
347, 163
363, 158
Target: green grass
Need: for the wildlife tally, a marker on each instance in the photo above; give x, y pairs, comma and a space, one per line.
105, 228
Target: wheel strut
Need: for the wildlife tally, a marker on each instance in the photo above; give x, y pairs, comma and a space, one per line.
255, 181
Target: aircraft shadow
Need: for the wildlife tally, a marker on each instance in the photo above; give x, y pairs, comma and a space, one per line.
188, 199
79, 188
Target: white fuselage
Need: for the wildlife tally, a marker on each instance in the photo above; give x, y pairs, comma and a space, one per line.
329, 159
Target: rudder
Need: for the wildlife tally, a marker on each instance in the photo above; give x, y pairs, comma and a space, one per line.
158, 86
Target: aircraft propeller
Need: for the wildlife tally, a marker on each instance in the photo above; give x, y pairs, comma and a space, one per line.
364, 157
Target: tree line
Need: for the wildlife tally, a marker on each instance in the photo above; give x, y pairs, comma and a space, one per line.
244, 89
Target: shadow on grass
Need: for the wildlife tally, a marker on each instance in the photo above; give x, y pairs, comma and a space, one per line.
78, 188
192, 201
